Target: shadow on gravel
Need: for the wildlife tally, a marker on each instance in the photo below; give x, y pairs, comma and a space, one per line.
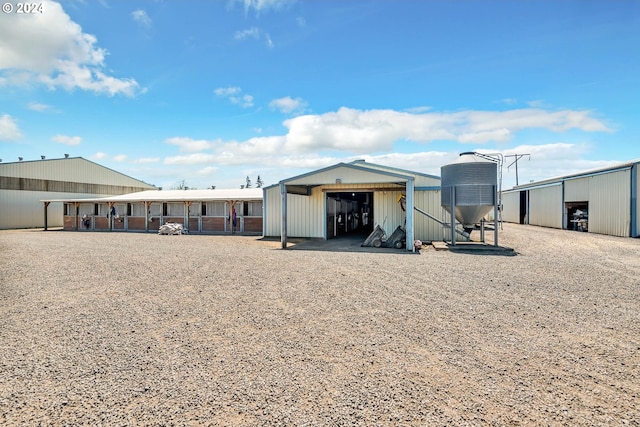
339, 244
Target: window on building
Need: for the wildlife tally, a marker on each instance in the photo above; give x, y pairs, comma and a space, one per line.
253, 208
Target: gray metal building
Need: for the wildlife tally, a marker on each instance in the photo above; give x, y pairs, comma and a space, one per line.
351, 198
24, 184
603, 201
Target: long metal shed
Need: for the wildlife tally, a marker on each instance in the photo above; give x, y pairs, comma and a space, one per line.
24, 184
351, 198
603, 201
199, 211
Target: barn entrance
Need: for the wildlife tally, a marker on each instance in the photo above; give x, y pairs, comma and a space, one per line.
348, 213
577, 216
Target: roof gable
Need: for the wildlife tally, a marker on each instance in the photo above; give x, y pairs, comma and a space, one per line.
347, 173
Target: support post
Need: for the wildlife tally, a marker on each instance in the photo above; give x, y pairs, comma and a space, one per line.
409, 212
75, 209
452, 206
46, 217
283, 226
147, 206
187, 206
495, 217
110, 217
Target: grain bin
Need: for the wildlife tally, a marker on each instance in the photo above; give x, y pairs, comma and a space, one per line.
473, 181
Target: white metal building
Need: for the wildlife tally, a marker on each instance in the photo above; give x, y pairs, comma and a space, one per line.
603, 201
351, 198
24, 184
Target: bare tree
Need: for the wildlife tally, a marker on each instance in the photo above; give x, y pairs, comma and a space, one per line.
182, 185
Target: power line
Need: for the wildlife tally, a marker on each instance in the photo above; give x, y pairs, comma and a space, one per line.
515, 161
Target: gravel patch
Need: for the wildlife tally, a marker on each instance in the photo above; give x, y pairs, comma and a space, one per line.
141, 329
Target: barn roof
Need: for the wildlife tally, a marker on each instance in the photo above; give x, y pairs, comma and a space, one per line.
245, 194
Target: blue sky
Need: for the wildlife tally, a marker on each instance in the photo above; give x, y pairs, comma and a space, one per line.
213, 91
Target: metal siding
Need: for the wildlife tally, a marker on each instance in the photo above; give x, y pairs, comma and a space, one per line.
273, 204
70, 170
387, 212
419, 180
23, 209
304, 215
610, 204
346, 175
545, 206
577, 190
636, 200
511, 207
427, 229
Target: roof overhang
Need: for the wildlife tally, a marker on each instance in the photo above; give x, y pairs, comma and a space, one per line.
247, 194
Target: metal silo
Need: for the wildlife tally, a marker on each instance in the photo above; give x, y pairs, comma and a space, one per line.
472, 182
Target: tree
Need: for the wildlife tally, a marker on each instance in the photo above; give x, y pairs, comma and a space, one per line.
248, 184
182, 185
259, 182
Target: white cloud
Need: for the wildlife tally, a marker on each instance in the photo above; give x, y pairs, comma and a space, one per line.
313, 141
252, 32
146, 160
417, 110
67, 140
9, 130
191, 159
100, 155
234, 94
376, 130
141, 17
120, 158
192, 145
261, 5
207, 171
36, 106
289, 105
268, 40
50, 49
227, 91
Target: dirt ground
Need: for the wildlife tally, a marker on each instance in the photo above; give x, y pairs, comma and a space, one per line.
141, 329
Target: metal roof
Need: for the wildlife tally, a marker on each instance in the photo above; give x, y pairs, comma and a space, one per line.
558, 179
245, 194
71, 169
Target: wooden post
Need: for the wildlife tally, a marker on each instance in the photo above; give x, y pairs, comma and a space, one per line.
187, 206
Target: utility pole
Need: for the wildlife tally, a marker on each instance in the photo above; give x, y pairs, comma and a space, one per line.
515, 161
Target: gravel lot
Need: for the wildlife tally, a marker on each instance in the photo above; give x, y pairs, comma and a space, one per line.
141, 329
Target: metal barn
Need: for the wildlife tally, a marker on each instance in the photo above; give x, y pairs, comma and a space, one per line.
24, 184
603, 201
349, 198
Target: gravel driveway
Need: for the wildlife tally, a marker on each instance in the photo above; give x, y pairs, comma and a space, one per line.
141, 329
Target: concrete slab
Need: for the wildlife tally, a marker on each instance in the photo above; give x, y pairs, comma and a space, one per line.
481, 249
